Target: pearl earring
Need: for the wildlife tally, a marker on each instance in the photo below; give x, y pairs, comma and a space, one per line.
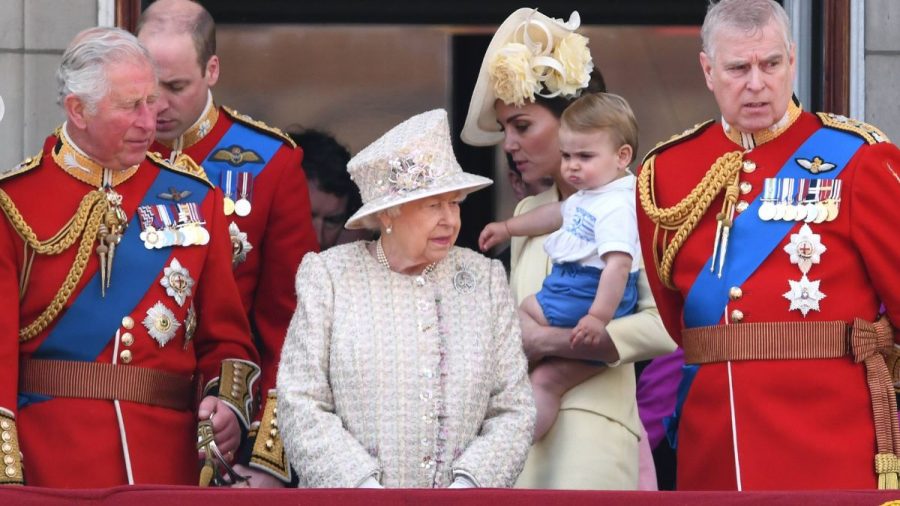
389, 229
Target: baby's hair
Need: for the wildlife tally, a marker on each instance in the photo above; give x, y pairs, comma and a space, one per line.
603, 111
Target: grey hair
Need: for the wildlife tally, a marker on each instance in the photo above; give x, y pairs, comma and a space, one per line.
82, 71
371, 222
747, 15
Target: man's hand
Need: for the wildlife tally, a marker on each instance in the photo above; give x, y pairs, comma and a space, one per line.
257, 478
226, 429
588, 332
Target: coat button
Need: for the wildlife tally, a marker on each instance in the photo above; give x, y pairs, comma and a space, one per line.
128, 322
737, 316
745, 187
735, 293
127, 339
748, 166
742, 206
125, 356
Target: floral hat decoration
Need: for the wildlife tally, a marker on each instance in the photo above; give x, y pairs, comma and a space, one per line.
412, 161
530, 55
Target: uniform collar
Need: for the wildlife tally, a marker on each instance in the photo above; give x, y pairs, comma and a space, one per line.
751, 140
79, 165
200, 129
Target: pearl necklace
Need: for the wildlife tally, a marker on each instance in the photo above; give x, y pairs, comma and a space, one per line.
382, 259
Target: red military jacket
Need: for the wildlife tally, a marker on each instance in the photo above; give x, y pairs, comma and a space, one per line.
780, 424
175, 309
248, 160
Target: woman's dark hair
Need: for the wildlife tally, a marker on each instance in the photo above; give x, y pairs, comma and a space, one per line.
325, 164
557, 105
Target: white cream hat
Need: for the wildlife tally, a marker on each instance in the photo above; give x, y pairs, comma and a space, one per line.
530, 54
412, 161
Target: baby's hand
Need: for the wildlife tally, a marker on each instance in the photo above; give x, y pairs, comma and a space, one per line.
588, 331
492, 235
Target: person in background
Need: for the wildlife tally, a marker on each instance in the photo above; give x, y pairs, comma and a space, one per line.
769, 235
594, 443
266, 199
403, 364
332, 195
121, 263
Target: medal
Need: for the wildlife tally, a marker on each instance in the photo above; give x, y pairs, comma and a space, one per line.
766, 210
804, 295
805, 248
801, 193
240, 246
242, 207
177, 282
832, 205
228, 204
161, 323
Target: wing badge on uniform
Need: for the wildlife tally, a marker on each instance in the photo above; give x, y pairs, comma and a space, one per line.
236, 156
815, 165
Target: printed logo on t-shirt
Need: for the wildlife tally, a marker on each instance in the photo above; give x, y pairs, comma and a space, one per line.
582, 224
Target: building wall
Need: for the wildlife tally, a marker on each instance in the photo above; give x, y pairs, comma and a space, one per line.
882, 53
33, 36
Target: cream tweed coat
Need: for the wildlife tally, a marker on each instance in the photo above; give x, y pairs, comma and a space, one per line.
411, 379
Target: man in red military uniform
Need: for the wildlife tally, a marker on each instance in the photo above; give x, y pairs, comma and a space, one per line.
773, 238
125, 305
259, 170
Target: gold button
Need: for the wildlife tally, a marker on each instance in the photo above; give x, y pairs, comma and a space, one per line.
9, 460
10, 471
6, 447
742, 206
273, 432
735, 293
748, 166
128, 322
745, 187
125, 356
274, 411
274, 423
127, 339
6, 436
270, 444
4, 425
736, 316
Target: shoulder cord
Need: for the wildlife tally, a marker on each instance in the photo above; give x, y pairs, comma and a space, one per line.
84, 224
684, 216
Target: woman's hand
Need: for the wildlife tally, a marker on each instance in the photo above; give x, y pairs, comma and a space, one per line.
492, 235
589, 331
226, 429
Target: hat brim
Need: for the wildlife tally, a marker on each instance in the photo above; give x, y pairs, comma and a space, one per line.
481, 127
463, 181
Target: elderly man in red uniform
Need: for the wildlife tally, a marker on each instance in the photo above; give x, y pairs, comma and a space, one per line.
259, 170
121, 262
772, 233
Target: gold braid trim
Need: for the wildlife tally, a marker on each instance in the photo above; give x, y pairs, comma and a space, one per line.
84, 224
684, 216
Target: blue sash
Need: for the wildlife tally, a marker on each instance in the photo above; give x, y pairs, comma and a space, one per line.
246, 138
708, 296
87, 326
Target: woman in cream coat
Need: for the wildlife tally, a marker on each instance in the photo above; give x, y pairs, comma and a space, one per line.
403, 365
594, 442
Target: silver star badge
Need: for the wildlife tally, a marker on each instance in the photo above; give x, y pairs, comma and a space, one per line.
177, 281
240, 246
805, 249
161, 323
804, 295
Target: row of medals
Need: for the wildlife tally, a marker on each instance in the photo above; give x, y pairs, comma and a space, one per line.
806, 208
187, 230
243, 180
241, 208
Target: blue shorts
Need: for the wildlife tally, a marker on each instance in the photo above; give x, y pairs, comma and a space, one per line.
569, 291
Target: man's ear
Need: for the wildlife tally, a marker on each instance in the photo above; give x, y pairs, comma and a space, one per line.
212, 71
706, 64
76, 110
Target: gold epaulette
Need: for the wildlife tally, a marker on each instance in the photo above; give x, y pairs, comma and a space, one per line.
679, 138
869, 133
9, 449
259, 125
268, 449
183, 165
23, 167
